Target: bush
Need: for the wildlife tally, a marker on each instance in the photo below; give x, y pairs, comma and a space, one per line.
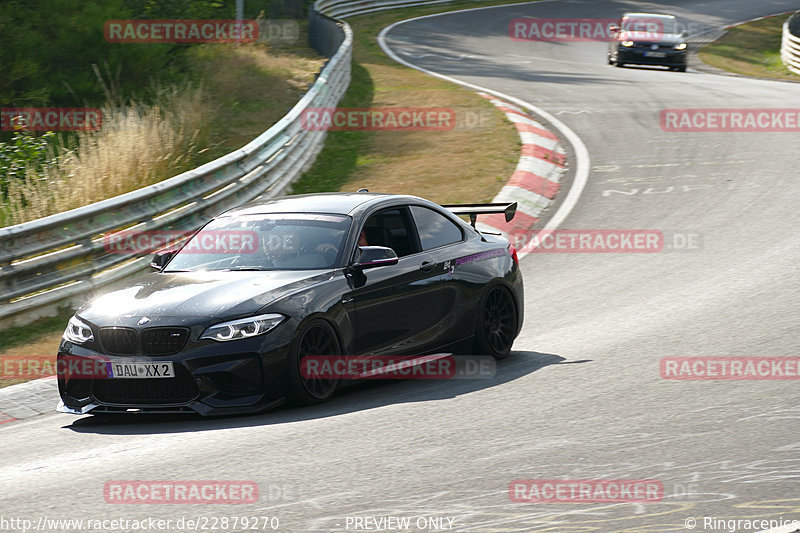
49, 47
25, 152
139, 144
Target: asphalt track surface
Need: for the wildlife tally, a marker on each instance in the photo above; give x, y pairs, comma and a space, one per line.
581, 396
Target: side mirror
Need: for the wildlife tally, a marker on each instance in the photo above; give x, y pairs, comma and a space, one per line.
613, 28
684, 34
160, 259
374, 256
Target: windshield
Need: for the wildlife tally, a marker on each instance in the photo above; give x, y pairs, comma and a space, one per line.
653, 25
279, 241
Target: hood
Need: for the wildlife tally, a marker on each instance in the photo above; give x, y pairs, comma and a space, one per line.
651, 37
198, 294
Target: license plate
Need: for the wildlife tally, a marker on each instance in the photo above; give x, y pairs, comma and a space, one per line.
655, 54
162, 369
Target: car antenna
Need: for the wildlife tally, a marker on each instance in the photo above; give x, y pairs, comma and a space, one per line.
363, 189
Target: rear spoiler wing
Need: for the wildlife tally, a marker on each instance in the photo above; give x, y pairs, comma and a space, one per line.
473, 210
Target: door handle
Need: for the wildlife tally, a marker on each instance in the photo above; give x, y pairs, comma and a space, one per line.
427, 266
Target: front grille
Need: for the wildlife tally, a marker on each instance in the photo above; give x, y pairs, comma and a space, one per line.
179, 389
118, 341
154, 341
164, 341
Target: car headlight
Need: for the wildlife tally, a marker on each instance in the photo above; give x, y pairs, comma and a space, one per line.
681, 46
242, 328
627, 44
78, 331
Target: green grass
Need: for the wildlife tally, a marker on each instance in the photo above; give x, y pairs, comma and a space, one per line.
251, 87
339, 157
751, 49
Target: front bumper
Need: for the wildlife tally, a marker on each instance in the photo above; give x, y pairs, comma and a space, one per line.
211, 378
641, 56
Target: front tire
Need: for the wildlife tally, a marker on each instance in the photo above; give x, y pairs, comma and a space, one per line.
315, 338
497, 323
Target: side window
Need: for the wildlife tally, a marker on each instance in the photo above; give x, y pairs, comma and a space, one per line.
389, 228
435, 230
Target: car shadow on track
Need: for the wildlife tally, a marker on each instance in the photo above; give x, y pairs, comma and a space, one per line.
360, 397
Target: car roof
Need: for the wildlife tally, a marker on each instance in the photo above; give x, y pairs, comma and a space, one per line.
337, 203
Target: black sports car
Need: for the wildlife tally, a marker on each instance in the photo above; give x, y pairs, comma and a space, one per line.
224, 329
648, 39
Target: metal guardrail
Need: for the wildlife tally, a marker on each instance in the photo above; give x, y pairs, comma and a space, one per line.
349, 8
790, 43
62, 259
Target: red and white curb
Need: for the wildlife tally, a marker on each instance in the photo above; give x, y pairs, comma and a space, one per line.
536, 180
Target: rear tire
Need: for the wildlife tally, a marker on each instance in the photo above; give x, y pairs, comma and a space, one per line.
317, 337
497, 323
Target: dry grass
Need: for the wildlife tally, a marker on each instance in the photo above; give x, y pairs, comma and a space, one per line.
137, 145
751, 49
251, 87
243, 90
40, 349
467, 164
